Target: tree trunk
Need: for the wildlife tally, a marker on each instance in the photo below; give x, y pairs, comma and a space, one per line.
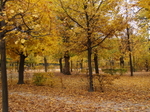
71, 64
91, 88
4, 77
81, 64
121, 62
45, 64
130, 54
60, 65
131, 67
21, 68
96, 62
67, 65
146, 66
134, 64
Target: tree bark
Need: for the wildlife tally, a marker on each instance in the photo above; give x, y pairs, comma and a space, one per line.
130, 54
71, 64
67, 64
96, 62
21, 69
3, 62
81, 64
45, 64
4, 77
60, 65
121, 62
131, 66
91, 88
146, 66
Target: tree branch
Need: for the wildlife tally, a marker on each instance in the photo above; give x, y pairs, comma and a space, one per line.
96, 10
70, 15
102, 40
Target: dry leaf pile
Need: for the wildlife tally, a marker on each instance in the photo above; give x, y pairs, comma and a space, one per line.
127, 94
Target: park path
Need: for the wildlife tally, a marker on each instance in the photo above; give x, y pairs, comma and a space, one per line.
83, 105
102, 106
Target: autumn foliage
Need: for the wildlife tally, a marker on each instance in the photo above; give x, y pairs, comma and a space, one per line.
97, 43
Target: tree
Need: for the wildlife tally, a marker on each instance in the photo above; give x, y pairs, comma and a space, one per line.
129, 18
94, 21
141, 50
96, 61
58, 55
143, 16
20, 18
32, 26
60, 64
64, 28
144, 8
4, 77
16, 47
3, 58
67, 64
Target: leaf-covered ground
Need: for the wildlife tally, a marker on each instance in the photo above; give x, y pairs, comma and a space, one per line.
69, 94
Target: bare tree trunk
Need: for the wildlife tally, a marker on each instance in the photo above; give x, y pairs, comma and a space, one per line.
60, 65
91, 88
121, 62
134, 64
130, 55
146, 66
3, 61
71, 63
45, 64
67, 64
21, 69
4, 77
131, 66
96, 62
81, 64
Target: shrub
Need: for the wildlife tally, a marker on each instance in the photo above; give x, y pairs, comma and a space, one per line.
121, 71
104, 80
41, 79
110, 71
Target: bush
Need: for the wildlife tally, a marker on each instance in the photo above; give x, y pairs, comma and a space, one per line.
110, 71
104, 80
122, 71
41, 79
115, 71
